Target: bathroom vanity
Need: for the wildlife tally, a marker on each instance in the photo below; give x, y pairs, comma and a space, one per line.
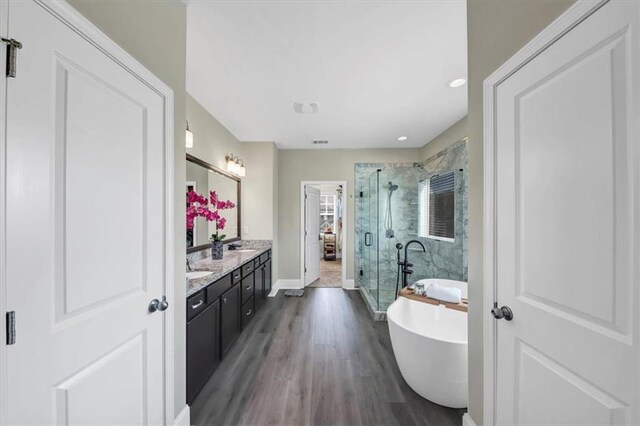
221, 304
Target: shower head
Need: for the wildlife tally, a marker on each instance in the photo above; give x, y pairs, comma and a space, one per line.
392, 187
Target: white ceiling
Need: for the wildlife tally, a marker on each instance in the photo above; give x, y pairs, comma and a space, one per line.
377, 69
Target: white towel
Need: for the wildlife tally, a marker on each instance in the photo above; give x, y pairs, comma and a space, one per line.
446, 294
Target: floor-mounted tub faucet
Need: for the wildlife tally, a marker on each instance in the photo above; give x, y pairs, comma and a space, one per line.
406, 266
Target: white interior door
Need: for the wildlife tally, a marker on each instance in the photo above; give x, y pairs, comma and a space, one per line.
85, 231
312, 235
567, 227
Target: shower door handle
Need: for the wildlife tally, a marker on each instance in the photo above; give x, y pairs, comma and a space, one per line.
368, 239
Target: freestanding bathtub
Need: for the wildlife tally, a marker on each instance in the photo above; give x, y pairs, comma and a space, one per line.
430, 346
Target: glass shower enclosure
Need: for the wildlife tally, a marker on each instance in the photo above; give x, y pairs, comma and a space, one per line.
387, 214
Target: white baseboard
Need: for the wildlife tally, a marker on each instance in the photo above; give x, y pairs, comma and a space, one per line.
284, 285
184, 418
467, 420
349, 285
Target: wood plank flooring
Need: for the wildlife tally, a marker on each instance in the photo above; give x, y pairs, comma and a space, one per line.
314, 360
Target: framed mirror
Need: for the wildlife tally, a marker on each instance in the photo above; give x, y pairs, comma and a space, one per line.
202, 178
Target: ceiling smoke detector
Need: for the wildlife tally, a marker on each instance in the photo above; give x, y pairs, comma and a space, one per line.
305, 108
320, 142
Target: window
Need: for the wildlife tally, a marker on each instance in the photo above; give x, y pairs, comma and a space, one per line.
436, 203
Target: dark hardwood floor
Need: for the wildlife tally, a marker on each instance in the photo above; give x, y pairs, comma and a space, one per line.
314, 360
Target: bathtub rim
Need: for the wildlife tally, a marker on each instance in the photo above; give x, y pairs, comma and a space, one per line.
419, 334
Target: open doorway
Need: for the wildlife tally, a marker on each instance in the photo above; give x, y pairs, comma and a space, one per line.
323, 233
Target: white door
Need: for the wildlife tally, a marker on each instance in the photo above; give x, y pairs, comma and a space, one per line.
312, 235
85, 231
567, 228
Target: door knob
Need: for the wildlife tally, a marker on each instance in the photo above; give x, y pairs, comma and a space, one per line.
163, 305
158, 305
504, 312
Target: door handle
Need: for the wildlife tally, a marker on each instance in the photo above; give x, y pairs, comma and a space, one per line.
500, 313
248, 312
248, 287
197, 305
369, 241
158, 305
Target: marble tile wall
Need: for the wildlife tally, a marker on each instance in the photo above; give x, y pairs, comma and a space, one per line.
378, 262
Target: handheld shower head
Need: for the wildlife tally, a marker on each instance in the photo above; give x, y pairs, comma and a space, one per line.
392, 187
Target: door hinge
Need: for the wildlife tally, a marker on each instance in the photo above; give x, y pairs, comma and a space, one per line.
361, 272
361, 194
11, 328
12, 55
305, 270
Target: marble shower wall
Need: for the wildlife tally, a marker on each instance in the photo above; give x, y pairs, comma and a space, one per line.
378, 263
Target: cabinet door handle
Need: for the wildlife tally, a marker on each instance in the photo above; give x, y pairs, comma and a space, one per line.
248, 287
248, 312
224, 300
197, 305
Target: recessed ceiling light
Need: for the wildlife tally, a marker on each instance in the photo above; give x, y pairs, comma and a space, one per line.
457, 82
402, 138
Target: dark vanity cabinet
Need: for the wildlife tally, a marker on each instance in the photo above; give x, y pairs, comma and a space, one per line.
217, 315
203, 344
230, 317
267, 277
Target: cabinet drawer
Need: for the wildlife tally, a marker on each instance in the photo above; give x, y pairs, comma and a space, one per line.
196, 304
247, 288
247, 269
215, 290
265, 256
236, 276
247, 312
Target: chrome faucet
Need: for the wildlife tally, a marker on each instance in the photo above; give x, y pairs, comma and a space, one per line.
406, 266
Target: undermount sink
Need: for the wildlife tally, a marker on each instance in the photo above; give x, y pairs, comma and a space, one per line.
192, 275
244, 250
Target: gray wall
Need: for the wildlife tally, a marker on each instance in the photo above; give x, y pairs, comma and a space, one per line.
496, 30
296, 165
155, 34
450, 136
212, 142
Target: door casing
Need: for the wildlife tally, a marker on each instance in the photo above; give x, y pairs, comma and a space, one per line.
563, 24
64, 12
345, 226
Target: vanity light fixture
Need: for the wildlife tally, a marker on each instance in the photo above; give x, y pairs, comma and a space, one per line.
188, 137
458, 82
235, 165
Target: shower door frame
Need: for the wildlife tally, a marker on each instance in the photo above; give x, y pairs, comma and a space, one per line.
346, 284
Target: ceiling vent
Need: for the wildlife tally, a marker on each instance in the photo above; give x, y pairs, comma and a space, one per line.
305, 108
320, 142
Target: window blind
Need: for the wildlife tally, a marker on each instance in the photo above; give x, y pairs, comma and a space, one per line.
437, 206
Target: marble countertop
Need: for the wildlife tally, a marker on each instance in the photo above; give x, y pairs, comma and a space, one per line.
231, 260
